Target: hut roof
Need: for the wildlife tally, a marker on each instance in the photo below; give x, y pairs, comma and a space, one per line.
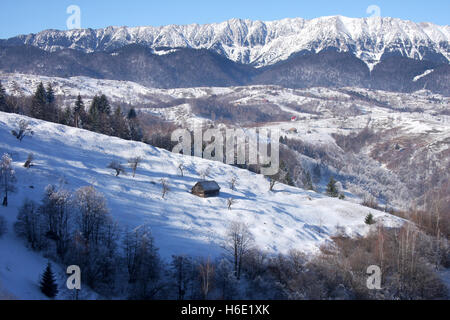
208, 185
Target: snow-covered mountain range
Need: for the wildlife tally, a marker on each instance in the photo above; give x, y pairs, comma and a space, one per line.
264, 43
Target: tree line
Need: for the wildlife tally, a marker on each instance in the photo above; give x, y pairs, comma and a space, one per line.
99, 116
76, 228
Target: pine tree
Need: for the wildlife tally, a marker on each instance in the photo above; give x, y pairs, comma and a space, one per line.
132, 114
332, 190
287, 176
99, 115
39, 102
103, 105
50, 94
135, 130
119, 124
369, 219
94, 114
65, 116
51, 111
48, 284
78, 111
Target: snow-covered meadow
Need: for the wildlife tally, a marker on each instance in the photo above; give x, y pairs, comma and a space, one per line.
287, 218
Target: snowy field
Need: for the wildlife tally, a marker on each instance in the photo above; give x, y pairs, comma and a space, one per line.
287, 218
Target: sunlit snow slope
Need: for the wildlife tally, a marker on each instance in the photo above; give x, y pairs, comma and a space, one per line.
288, 218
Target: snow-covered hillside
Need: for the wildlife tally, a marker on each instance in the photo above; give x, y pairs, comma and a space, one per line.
320, 113
288, 218
265, 43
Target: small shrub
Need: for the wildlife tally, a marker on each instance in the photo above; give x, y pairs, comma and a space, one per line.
369, 219
29, 163
115, 165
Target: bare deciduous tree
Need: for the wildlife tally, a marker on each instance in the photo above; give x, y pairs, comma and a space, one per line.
142, 263
134, 163
230, 202
7, 178
56, 208
206, 269
28, 164
30, 225
225, 282
273, 180
181, 167
238, 243
115, 165
93, 213
233, 183
23, 130
272, 183
181, 266
165, 187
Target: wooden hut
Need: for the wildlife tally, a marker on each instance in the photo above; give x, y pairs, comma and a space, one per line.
206, 189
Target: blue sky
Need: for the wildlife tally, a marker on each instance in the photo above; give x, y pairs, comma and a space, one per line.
31, 16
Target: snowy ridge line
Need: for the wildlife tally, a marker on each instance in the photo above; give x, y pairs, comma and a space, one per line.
262, 43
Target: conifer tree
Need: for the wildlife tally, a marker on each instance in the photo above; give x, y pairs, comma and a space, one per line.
94, 114
103, 105
78, 111
65, 116
39, 102
134, 126
119, 124
286, 175
48, 284
369, 219
50, 94
51, 111
332, 190
132, 114
99, 115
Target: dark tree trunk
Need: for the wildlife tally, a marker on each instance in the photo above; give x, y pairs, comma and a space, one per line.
239, 268
5, 201
235, 262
